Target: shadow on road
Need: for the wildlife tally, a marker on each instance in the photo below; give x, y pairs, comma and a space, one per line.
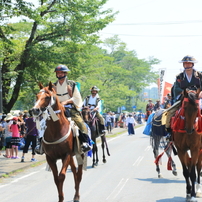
160, 180
174, 199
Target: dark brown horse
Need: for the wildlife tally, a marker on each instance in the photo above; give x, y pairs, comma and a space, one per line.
58, 138
92, 121
188, 138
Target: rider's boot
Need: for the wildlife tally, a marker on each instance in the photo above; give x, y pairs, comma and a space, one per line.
39, 148
85, 146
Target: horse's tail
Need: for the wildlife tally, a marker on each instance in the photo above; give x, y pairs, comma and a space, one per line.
105, 142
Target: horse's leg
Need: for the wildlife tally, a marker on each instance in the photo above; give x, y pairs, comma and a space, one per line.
77, 178
53, 166
198, 168
103, 148
156, 143
194, 160
184, 158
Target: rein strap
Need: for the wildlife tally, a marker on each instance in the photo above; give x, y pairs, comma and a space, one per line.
60, 140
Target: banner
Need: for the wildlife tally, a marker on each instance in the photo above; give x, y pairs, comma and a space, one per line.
167, 88
161, 83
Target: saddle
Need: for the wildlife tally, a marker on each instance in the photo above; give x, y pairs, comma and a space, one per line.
178, 122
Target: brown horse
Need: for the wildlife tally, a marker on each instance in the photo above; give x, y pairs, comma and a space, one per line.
58, 138
188, 137
92, 121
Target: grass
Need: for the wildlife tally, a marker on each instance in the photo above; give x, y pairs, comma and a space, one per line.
35, 164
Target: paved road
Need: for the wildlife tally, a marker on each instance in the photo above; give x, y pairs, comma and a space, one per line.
128, 175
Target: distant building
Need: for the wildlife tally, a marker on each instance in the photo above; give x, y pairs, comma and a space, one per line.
150, 93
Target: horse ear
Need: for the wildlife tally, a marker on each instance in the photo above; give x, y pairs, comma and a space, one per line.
40, 85
50, 86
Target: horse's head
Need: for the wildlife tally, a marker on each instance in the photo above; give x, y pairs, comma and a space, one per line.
86, 113
191, 107
44, 99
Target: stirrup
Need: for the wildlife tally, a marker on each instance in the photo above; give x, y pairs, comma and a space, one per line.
39, 150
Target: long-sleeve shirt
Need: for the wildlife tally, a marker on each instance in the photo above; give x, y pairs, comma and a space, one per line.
130, 120
31, 127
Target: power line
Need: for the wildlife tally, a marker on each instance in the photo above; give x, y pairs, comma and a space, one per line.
153, 35
158, 23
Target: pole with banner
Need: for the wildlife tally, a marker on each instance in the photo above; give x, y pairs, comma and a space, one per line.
161, 83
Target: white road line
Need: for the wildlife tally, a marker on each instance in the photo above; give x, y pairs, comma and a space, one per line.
121, 188
117, 190
18, 179
148, 148
139, 159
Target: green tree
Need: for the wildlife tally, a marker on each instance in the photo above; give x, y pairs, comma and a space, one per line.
119, 74
49, 33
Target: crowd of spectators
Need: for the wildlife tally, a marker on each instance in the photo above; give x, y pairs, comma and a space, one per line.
15, 134
115, 120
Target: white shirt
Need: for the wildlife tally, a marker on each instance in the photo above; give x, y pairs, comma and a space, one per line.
76, 98
130, 120
92, 101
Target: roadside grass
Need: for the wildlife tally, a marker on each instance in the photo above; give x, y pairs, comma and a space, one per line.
13, 173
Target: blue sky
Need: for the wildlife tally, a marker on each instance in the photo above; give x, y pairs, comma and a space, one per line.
167, 30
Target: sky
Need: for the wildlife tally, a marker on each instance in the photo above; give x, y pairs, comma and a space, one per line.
166, 30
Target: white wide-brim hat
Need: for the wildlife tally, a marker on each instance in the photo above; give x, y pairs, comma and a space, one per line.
9, 116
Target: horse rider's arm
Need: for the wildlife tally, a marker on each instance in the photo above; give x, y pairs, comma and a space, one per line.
98, 106
176, 89
76, 99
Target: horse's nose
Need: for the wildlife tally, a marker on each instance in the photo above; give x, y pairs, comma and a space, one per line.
35, 111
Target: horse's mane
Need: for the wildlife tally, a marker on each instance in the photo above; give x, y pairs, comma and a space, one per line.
192, 98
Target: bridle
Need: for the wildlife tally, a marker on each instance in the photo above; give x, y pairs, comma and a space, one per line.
46, 113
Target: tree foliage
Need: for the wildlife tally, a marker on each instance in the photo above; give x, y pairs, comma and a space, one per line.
51, 32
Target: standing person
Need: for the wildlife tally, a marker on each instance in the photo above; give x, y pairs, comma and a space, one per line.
22, 124
93, 101
168, 101
130, 123
112, 119
31, 137
149, 108
189, 77
1, 136
15, 129
108, 122
8, 135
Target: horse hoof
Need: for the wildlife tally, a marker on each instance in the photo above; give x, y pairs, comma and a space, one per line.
198, 194
76, 200
174, 172
104, 161
193, 199
188, 198
160, 176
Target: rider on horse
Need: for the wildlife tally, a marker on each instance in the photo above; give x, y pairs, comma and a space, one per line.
93, 101
149, 108
189, 77
69, 96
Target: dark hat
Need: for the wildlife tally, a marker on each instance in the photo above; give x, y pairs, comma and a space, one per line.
188, 58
